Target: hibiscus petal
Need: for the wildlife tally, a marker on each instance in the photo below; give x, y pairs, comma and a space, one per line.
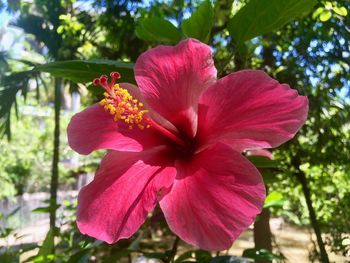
116, 203
214, 198
171, 78
250, 110
94, 129
135, 92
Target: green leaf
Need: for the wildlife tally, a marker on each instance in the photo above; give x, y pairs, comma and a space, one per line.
262, 16
262, 162
200, 23
45, 209
317, 12
158, 30
134, 246
328, 5
116, 256
43, 259
84, 71
8, 257
184, 256
340, 11
203, 256
325, 15
80, 257
261, 254
48, 244
274, 199
9, 87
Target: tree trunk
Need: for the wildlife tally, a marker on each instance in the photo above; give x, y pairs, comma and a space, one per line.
55, 158
262, 230
315, 225
262, 233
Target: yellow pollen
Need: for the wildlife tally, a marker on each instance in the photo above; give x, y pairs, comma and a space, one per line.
124, 107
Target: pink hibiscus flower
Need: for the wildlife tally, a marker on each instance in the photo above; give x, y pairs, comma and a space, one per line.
178, 139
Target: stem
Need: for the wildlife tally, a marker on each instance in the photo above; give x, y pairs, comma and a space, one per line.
173, 251
55, 158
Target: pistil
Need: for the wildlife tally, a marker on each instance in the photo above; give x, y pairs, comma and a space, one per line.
119, 103
166, 132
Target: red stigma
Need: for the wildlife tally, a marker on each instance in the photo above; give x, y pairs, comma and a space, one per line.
115, 75
107, 85
96, 82
103, 79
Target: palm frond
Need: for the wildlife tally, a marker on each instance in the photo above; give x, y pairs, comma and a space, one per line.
10, 86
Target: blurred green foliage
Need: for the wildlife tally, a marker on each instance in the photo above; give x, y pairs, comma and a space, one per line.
25, 161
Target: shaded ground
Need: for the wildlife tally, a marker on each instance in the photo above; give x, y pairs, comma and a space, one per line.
293, 242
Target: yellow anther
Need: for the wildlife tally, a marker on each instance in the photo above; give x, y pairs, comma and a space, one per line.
103, 102
124, 107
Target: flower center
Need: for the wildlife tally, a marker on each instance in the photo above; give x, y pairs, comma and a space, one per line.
119, 103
